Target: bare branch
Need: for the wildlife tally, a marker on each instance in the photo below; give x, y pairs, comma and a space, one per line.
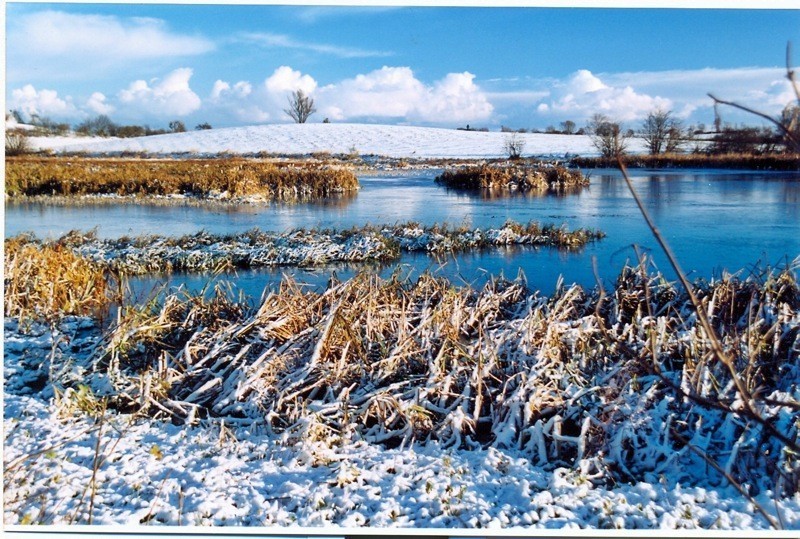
769, 518
790, 71
785, 130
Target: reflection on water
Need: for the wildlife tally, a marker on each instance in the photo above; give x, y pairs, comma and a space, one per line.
496, 194
714, 221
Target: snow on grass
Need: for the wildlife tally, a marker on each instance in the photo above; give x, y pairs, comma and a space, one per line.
228, 470
155, 473
385, 140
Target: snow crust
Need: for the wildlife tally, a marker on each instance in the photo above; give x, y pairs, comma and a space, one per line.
384, 140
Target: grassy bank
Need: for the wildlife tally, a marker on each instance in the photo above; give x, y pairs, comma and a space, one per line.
514, 177
617, 385
679, 160
254, 248
203, 178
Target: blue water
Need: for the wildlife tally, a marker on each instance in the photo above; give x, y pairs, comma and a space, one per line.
714, 221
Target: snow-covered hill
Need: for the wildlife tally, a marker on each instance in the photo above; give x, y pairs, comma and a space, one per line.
385, 140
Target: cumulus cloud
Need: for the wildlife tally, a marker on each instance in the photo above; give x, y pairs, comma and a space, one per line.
584, 94
236, 102
395, 92
774, 97
97, 104
29, 101
386, 94
764, 88
285, 79
170, 96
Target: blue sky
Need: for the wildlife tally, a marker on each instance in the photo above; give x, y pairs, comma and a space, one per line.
521, 67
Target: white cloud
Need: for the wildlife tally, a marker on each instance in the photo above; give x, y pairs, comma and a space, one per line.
86, 37
272, 40
170, 96
774, 97
394, 92
97, 104
222, 90
48, 46
764, 88
29, 101
584, 94
285, 79
386, 94
236, 102
455, 98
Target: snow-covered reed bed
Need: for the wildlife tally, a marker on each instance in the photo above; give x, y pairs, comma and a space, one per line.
209, 252
617, 386
135, 179
514, 176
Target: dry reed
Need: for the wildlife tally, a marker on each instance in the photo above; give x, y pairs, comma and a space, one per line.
514, 177
224, 177
254, 248
771, 161
51, 281
581, 375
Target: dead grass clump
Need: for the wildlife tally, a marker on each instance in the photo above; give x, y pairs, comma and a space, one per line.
205, 178
521, 177
50, 281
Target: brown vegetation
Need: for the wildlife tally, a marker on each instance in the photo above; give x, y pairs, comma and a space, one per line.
522, 177
51, 281
204, 252
773, 161
579, 375
36, 176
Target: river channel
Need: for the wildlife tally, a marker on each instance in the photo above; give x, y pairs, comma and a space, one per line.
715, 221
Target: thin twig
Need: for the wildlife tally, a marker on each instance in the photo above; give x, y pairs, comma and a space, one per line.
96, 463
767, 117
770, 519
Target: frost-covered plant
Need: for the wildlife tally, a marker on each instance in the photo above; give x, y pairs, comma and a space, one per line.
618, 384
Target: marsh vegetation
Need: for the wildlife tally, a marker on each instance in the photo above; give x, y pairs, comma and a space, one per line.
142, 178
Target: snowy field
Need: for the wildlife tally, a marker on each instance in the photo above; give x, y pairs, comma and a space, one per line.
384, 140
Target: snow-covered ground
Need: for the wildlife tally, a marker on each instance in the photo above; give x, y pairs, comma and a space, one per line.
384, 140
217, 475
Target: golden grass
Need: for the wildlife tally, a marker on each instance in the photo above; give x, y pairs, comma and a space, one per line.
522, 177
38, 176
786, 161
49, 281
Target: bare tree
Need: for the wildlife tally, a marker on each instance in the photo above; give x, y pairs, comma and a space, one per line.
514, 145
661, 132
17, 142
568, 127
607, 136
301, 107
